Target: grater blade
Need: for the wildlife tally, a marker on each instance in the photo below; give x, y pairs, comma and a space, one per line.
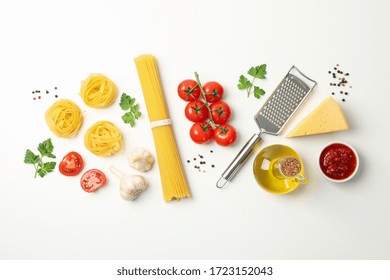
284, 101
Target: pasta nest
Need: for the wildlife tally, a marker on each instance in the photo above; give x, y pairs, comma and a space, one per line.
98, 91
64, 118
103, 138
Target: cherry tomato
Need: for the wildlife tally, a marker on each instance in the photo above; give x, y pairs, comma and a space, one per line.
220, 112
196, 111
188, 90
214, 91
201, 133
71, 164
225, 135
92, 180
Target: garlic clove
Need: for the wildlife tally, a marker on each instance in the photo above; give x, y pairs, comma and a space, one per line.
140, 159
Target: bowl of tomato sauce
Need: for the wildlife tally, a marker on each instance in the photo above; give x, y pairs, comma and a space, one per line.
338, 162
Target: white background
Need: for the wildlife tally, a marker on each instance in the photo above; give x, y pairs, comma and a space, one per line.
58, 43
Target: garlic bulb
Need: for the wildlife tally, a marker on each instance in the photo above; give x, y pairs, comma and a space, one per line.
140, 159
130, 185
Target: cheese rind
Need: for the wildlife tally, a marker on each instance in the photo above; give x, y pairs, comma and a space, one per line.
326, 117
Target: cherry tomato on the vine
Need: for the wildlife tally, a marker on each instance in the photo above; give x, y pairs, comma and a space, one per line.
220, 112
188, 90
201, 132
214, 91
196, 111
225, 135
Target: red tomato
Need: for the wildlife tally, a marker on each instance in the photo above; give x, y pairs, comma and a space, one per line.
188, 90
225, 135
92, 180
220, 112
201, 133
214, 91
196, 111
71, 164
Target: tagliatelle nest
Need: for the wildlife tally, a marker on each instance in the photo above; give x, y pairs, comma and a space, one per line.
98, 91
64, 118
103, 138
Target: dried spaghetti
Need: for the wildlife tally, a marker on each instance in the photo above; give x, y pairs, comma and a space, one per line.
64, 118
103, 138
98, 91
173, 180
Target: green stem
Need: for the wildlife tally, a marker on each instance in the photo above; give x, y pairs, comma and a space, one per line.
36, 171
205, 101
38, 166
249, 90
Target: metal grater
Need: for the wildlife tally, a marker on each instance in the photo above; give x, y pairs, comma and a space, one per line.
273, 116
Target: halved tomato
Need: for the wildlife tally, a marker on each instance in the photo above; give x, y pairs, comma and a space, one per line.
71, 164
92, 180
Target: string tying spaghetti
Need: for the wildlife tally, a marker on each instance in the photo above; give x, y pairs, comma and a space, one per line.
158, 123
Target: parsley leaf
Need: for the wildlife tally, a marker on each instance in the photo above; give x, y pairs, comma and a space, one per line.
129, 118
46, 168
258, 92
243, 83
128, 103
257, 72
46, 150
30, 157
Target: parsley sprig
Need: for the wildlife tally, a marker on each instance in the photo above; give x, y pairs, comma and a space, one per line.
128, 103
258, 72
45, 149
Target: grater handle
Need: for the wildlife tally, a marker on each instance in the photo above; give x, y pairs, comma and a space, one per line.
240, 159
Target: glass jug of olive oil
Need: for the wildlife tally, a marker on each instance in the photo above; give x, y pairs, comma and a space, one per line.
278, 169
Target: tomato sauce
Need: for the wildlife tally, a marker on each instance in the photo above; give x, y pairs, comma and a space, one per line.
338, 161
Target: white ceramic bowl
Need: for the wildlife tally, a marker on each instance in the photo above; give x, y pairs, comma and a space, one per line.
338, 180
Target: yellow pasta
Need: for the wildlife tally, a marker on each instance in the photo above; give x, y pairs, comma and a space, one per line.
173, 180
64, 118
98, 91
103, 139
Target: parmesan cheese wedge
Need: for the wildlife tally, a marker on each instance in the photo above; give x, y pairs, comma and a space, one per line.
326, 117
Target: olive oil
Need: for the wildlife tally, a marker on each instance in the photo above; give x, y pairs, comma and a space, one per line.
266, 169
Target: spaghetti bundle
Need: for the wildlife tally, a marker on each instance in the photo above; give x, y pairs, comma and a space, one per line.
173, 180
98, 91
64, 118
103, 138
